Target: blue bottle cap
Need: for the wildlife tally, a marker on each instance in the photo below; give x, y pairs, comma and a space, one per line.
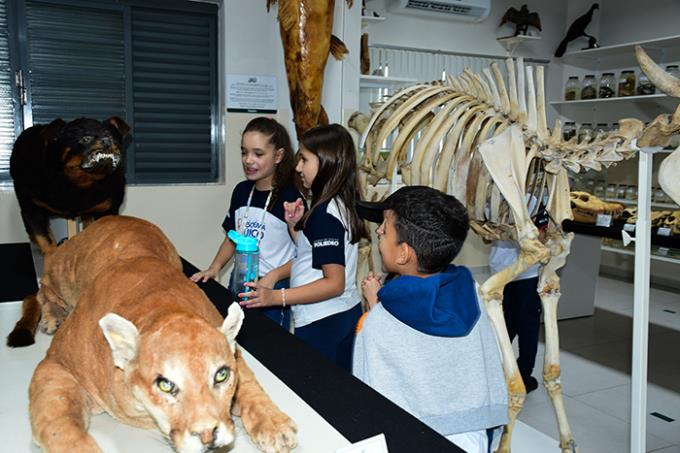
243, 243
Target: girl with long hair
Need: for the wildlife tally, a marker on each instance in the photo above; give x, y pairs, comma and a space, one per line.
323, 293
257, 206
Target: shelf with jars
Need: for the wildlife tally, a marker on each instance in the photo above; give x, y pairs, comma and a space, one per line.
609, 85
629, 86
657, 97
623, 55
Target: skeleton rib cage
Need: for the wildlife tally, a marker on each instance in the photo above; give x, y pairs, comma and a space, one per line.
487, 143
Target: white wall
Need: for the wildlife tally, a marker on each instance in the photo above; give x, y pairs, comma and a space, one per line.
191, 215
632, 20
451, 35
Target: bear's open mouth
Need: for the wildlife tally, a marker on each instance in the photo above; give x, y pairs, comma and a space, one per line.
99, 160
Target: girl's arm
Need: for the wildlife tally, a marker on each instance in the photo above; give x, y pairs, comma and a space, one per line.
274, 275
224, 254
332, 284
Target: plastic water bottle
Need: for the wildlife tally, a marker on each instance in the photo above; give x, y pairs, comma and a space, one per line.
246, 261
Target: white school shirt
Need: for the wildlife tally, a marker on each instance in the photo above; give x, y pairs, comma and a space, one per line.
275, 246
324, 240
505, 253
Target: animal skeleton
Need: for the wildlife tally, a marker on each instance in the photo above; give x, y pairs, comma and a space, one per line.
586, 207
488, 144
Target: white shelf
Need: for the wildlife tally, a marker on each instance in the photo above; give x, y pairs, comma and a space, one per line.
634, 202
510, 42
365, 19
371, 81
620, 251
623, 55
659, 97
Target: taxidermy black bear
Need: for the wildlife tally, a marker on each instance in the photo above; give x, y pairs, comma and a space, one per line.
68, 170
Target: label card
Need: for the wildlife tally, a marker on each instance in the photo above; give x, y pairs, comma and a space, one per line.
375, 444
604, 220
663, 231
630, 227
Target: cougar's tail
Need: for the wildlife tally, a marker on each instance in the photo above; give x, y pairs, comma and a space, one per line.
24, 330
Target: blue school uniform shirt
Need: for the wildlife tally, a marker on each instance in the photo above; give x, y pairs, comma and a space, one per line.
276, 246
325, 240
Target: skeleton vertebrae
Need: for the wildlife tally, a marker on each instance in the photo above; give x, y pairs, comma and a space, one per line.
487, 143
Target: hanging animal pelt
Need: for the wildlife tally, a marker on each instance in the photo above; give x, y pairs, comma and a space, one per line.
306, 27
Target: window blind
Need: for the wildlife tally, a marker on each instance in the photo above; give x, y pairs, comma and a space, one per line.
174, 80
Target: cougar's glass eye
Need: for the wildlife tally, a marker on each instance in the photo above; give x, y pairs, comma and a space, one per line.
221, 375
164, 385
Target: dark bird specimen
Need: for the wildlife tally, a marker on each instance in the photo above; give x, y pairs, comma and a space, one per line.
578, 29
522, 20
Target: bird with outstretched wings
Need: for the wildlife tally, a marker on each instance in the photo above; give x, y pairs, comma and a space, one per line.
522, 19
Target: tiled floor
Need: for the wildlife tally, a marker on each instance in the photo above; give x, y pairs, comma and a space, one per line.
596, 361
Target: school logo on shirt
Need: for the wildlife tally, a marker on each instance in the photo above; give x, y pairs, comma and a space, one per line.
328, 242
254, 229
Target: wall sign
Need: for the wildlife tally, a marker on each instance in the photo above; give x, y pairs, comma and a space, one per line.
251, 93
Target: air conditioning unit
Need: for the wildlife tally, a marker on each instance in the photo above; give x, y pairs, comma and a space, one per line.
471, 10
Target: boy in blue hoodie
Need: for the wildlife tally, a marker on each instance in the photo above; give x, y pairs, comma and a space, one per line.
426, 343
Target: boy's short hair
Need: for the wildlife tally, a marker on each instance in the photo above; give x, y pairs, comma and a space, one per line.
432, 223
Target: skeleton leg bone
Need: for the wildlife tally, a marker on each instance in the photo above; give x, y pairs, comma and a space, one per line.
532, 251
549, 290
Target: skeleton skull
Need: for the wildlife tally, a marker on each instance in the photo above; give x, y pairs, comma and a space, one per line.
672, 221
630, 214
658, 218
586, 207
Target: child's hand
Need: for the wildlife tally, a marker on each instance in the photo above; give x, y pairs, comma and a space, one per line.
258, 296
205, 275
294, 211
370, 286
268, 281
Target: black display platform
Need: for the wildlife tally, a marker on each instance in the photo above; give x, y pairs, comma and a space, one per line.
614, 232
350, 406
17, 273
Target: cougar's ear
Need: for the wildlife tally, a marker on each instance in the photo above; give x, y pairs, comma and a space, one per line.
119, 124
52, 131
122, 336
232, 324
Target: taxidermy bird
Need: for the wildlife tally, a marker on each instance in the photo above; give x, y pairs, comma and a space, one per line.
578, 29
522, 19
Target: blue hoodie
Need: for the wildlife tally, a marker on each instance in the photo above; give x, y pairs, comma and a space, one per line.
444, 304
430, 348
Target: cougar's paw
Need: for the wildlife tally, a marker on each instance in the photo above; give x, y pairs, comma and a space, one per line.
271, 430
49, 325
